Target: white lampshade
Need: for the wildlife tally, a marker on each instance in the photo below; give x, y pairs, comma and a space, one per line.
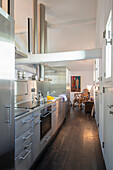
89, 87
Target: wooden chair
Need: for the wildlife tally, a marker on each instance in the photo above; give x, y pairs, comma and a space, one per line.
81, 98
77, 98
85, 94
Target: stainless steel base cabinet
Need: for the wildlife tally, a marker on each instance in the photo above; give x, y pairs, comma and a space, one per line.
45, 140
60, 113
64, 110
54, 118
23, 142
36, 135
24, 160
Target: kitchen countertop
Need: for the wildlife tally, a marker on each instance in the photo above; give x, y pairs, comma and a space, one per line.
27, 107
19, 112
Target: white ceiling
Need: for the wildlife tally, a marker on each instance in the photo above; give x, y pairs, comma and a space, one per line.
84, 65
58, 11
71, 24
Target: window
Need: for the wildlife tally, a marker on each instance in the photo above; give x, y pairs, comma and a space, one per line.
108, 45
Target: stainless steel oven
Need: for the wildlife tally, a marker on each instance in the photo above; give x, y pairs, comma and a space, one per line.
46, 121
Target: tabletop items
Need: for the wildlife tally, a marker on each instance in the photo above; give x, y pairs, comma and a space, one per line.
81, 98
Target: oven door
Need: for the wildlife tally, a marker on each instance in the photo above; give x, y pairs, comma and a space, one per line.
45, 124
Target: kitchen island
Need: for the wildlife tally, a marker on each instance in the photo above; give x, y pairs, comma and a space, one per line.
35, 127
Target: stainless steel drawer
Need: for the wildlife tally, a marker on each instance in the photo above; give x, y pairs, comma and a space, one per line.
36, 138
54, 106
23, 142
54, 122
22, 125
36, 114
23, 161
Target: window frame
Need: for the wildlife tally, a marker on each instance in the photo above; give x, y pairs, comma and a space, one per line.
109, 22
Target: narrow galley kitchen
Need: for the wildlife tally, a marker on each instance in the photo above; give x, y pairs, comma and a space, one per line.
56, 85
77, 145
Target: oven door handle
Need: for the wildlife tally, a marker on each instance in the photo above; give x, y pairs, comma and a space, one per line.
46, 115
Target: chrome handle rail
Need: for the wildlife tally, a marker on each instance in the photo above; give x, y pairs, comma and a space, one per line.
28, 145
25, 138
8, 107
46, 115
111, 112
28, 152
27, 121
110, 106
37, 114
38, 122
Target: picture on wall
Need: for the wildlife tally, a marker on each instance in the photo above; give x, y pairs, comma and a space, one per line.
75, 84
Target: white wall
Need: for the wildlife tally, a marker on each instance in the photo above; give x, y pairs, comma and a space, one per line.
71, 37
86, 79
71, 24
23, 9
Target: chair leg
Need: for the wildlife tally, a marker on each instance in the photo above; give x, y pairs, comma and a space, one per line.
79, 105
74, 101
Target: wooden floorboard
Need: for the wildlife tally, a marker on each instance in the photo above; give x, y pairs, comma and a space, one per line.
76, 147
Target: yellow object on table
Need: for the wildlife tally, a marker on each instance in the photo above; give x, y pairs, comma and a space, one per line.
50, 98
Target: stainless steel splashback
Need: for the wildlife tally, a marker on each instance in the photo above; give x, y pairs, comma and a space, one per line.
25, 90
44, 86
59, 79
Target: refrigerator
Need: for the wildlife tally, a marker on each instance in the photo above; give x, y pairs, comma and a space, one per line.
7, 74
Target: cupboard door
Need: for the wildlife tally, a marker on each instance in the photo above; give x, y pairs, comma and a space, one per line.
36, 138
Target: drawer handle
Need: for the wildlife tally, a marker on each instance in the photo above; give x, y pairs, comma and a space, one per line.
110, 106
38, 122
9, 113
28, 152
28, 145
111, 113
25, 138
37, 114
27, 121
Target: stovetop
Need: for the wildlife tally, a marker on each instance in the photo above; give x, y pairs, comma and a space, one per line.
28, 105
20, 111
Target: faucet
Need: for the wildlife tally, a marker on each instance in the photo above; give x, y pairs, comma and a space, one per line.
40, 97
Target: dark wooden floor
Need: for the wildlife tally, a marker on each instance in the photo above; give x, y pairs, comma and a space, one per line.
76, 147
